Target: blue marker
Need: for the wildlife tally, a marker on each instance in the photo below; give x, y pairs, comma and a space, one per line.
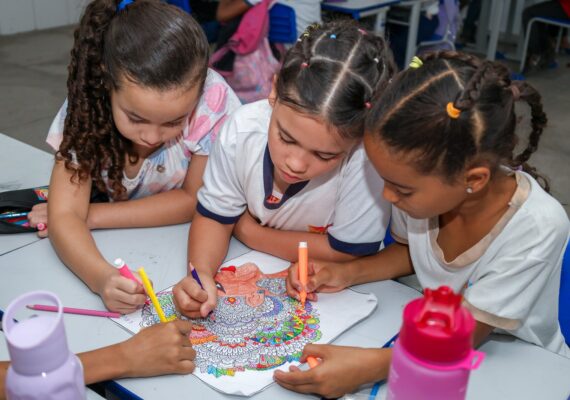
194, 274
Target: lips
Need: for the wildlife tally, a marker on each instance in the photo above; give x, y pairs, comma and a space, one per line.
289, 178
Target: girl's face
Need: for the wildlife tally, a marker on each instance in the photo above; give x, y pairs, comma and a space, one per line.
420, 196
150, 117
302, 147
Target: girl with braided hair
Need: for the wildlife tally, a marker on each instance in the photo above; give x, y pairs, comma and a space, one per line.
468, 211
292, 168
141, 112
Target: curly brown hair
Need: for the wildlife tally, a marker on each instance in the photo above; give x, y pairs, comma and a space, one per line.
411, 115
150, 43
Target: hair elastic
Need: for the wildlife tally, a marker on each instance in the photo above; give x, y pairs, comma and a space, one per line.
452, 111
123, 4
362, 31
332, 36
304, 65
516, 92
376, 60
368, 105
416, 62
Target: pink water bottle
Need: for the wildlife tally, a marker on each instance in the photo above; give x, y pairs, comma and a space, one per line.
42, 367
433, 355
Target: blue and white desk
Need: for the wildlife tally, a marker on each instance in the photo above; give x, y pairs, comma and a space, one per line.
363, 8
21, 166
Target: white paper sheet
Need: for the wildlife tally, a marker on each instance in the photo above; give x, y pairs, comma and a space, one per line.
241, 344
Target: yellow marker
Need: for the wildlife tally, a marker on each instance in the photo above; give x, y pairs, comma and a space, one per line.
150, 292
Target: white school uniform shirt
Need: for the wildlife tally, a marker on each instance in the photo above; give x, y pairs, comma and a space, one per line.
511, 278
344, 203
165, 169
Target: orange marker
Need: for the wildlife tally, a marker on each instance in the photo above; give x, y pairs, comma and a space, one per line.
303, 270
312, 361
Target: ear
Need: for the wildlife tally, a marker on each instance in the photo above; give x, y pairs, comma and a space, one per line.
477, 178
273, 95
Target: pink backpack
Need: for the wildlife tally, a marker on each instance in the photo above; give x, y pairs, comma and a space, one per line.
254, 64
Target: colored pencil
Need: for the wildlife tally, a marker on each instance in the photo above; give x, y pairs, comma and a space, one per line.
79, 311
194, 274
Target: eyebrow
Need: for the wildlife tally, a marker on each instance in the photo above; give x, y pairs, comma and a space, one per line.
398, 184
283, 130
135, 115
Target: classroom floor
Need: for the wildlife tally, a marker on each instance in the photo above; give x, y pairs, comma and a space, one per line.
33, 73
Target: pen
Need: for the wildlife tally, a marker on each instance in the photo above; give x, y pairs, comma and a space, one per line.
194, 274
377, 385
153, 298
303, 270
7, 215
70, 310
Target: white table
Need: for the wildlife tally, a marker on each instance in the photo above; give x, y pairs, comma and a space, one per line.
512, 370
363, 8
21, 166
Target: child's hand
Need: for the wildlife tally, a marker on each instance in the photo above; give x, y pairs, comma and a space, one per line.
121, 294
193, 301
38, 218
323, 277
158, 350
341, 370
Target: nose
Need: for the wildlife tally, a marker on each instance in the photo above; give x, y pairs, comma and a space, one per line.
389, 194
151, 136
297, 162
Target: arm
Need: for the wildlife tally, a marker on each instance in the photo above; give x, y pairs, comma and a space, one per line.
158, 350
389, 263
208, 242
284, 244
70, 237
151, 210
229, 9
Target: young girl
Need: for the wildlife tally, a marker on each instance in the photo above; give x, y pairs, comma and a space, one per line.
468, 212
295, 164
141, 113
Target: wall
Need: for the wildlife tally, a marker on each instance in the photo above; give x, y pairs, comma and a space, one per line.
28, 15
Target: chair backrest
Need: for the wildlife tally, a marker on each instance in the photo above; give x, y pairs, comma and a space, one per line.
183, 4
282, 24
564, 296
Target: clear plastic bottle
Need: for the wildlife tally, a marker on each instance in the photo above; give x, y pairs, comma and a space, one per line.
434, 355
42, 367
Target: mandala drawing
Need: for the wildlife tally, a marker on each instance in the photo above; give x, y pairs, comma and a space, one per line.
255, 326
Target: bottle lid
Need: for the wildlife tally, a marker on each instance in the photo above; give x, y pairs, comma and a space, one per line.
437, 328
37, 344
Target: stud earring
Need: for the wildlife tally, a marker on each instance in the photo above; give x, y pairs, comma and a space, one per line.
469, 189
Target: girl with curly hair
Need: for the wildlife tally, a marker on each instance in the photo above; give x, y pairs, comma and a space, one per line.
468, 212
140, 116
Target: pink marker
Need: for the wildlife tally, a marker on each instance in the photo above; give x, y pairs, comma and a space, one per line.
124, 270
69, 310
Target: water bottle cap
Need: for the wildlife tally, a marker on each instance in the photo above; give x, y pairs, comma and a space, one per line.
35, 344
437, 328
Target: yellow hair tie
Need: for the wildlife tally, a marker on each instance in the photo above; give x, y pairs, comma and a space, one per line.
416, 62
452, 111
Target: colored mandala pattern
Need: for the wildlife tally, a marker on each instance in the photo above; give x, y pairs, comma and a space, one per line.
258, 331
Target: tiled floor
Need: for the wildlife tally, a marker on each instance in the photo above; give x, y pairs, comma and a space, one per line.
33, 73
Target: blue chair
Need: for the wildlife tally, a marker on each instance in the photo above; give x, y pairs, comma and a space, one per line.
282, 24
560, 23
183, 4
564, 296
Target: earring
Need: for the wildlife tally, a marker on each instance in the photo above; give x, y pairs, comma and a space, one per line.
469, 189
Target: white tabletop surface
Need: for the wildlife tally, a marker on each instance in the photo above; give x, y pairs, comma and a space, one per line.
21, 166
